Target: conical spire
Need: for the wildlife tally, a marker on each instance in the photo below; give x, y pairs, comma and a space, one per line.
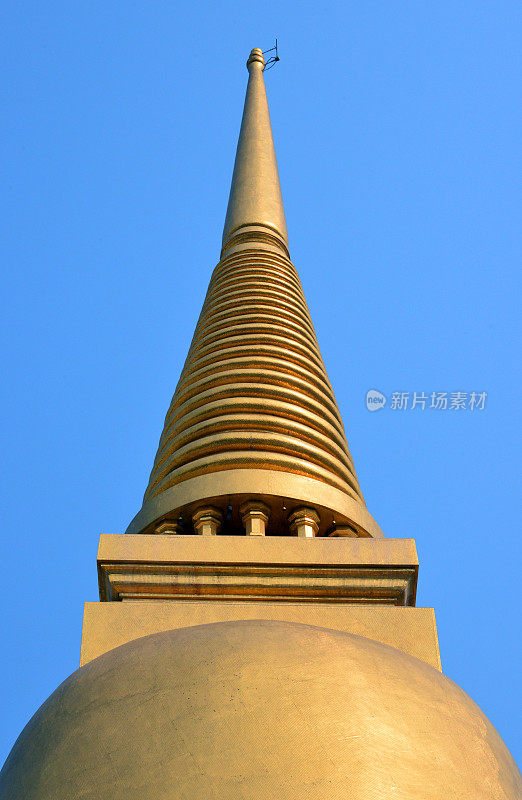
253, 434
255, 203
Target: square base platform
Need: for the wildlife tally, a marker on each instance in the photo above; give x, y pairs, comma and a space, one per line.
150, 584
108, 625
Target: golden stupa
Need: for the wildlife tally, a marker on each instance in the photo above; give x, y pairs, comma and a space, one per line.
257, 636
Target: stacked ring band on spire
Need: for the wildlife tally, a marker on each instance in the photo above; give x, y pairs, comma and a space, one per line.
253, 417
254, 392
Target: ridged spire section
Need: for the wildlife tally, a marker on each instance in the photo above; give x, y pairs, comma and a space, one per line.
254, 415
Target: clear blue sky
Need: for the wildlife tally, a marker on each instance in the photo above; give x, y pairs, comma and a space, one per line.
398, 134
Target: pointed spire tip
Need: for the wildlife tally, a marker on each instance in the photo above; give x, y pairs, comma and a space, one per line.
256, 55
255, 206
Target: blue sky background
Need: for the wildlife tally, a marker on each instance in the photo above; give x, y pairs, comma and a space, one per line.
397, 130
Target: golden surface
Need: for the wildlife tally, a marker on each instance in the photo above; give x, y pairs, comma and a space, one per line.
277, 489
259, 707
109, 625
304, 523
254, 516
255, 195
207, 521
254, 395
250, 710
256, 568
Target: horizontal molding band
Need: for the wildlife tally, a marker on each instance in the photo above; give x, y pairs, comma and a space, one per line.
255, 459
247, 283
272, 308
252, 407
257, 377
254, 315
267, 338
270, 303
260, 292
251, 264
257, 423
226, 439
287, 368
235, 324
273, 486
259, 273
253, 257
255, 350
242, 391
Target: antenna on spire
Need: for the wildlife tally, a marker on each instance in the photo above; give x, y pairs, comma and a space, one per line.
272, 61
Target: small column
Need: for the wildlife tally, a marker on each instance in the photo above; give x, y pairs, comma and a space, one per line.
255, 515
207, 521
344, 530
304, 522
168, 527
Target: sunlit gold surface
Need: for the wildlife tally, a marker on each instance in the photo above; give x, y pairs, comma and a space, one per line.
282, 491
254, 395
255, 706
109, 625
259, 711
255, 194
254, 568
254, 391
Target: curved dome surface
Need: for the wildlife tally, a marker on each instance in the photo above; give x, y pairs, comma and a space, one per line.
258, 710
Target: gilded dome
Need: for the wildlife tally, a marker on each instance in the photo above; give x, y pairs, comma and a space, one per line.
257, 710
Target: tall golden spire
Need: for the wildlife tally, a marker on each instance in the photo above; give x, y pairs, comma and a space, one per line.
255, 201
254, 417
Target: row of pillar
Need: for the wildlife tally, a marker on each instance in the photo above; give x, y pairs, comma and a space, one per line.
208, 520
